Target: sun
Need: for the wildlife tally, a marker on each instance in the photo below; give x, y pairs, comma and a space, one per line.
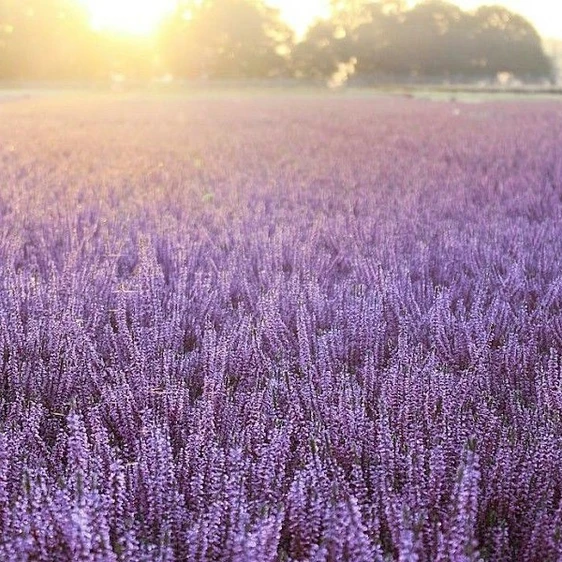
134, 17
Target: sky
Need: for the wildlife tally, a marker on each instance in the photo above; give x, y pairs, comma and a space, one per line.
132, 16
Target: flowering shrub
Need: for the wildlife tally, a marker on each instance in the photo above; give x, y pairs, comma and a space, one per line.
280, 330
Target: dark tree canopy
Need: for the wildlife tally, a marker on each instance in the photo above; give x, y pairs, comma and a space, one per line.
434, 39
323, 48
507, 42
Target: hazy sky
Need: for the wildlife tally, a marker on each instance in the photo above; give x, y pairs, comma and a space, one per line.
546, 15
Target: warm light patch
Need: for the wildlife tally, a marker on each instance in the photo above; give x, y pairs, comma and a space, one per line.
300, 14
138, 17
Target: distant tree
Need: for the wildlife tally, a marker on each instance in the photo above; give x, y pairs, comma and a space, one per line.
379, 43
433, 39
51, 39
339, 39
349, 13
227, 39
507, 42
45, 39
321, 51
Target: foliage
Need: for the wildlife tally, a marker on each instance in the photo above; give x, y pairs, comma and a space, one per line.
226, 39
432, 39
322, 50
45, 39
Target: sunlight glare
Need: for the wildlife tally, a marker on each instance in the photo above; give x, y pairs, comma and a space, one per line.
137, 17
299, 15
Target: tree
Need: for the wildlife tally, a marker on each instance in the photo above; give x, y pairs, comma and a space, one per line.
378, 42
45, 39
435, 40
349, 13
507, 42
319, 54
227, 39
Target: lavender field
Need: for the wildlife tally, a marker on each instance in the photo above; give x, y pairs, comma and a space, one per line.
280, 329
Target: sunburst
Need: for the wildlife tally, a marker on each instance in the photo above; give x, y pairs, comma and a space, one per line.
135, 17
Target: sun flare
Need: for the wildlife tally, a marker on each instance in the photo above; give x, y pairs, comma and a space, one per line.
136, 17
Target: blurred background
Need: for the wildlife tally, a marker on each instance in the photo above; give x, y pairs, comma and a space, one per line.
312, 41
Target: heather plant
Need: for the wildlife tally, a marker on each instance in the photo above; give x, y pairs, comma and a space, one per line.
280, 330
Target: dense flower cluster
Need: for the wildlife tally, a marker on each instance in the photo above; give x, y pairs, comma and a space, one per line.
266, 329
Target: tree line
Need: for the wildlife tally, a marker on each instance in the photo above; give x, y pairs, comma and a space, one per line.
244, 39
